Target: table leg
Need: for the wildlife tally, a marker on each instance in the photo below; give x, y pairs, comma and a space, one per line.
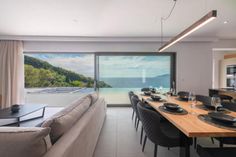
184, 146
18, 121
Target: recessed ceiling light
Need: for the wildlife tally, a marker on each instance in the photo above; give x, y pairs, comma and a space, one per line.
225, 22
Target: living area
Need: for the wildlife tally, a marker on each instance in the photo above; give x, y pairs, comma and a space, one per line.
95, 79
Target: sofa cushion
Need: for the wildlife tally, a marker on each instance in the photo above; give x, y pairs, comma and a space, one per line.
66, 118
94, 97
24, 141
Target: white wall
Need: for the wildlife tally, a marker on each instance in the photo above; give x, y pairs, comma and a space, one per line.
194, 59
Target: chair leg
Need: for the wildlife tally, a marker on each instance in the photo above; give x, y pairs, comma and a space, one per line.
195, 142
137, 125
133, 115
141, 136
212, 140
144, 143
221, 144
155, 150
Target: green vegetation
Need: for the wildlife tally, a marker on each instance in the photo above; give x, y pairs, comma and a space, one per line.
39, 73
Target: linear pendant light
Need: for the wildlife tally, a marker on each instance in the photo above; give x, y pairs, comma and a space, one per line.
201, 22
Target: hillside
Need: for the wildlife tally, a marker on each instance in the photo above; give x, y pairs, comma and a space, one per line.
40, 73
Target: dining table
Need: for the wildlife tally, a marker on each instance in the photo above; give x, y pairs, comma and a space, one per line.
189, 124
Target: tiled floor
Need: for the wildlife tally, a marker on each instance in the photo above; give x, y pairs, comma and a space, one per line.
119, 138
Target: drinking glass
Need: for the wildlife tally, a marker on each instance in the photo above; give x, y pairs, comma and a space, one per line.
216, 102
168, 95
193, 102
161, 90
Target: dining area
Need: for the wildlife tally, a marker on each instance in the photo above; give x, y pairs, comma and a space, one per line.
171, 119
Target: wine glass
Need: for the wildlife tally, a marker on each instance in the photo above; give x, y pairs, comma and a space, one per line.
161, 90
192, 100
216, 102
168, 95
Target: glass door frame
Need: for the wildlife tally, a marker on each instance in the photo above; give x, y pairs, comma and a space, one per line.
172, 66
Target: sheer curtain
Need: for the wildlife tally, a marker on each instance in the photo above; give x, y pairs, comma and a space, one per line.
11, 73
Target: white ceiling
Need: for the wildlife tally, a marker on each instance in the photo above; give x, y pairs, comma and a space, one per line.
102, 18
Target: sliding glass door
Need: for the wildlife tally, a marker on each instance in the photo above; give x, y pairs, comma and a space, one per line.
130, 72
57, 79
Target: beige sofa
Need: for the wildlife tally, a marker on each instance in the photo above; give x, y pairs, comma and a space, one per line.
81, 139
72, 132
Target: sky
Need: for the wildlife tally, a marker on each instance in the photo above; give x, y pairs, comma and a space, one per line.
134, 66
110, 66
79, 63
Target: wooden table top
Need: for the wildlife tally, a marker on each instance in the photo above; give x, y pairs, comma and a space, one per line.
189, 124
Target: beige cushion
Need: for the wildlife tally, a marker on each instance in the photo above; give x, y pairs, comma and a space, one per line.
24, 142
66, 118
94, 97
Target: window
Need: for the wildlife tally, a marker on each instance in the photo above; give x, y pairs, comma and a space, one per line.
126, 72
58, 79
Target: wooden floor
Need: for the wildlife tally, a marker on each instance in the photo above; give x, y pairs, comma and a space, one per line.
119, 138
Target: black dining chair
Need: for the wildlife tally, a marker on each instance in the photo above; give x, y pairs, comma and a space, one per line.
134, 100
183, 93
225, 98
216, 152
206, 100
146, 89
131, 93
160, 133
227, 140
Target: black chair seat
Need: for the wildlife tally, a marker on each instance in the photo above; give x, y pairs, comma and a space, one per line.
216, 152
145, 89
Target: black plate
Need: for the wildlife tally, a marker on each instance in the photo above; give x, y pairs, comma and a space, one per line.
183, 97
179, 110
219, 116
147, 93
155, 97
171, 106
209, 106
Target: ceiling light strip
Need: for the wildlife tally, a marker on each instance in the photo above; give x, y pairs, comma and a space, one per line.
201, 22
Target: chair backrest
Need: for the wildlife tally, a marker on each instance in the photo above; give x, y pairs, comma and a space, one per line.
134, 101
183, 93
145, 89
225, 97
206, 100
152, 125
131, 93
229, 105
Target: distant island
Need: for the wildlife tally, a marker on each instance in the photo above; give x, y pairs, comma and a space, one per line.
39, 73
138, 82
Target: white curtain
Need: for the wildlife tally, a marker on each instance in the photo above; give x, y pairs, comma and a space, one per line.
11, 73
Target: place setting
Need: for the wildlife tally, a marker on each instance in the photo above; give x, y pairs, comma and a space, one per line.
218, 117
172, 108
210, 105
156, 98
